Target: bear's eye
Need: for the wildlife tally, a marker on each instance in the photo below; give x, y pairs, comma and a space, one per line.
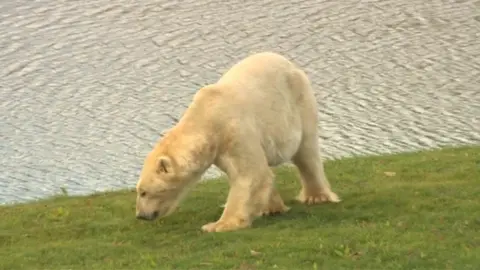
143, 194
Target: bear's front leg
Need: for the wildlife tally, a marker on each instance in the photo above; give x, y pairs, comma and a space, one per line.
247, 198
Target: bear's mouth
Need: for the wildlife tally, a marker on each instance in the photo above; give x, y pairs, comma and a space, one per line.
148, 217
163, 211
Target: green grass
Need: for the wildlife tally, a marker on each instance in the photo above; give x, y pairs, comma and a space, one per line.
425, 216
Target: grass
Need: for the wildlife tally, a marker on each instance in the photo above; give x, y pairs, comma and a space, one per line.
407, 211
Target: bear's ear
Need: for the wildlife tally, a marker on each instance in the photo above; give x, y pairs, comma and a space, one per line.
164, 165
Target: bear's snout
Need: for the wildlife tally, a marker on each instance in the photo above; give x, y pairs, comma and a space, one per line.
147, 216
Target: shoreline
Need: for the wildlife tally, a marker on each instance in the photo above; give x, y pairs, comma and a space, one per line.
215, 174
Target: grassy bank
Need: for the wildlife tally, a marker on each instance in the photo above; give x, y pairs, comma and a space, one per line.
407, 211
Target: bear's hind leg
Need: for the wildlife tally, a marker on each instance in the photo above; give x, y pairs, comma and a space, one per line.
315, 186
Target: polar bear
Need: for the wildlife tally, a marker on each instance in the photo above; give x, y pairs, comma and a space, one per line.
259, 114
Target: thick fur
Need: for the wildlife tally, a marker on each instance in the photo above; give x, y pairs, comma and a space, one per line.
260, 113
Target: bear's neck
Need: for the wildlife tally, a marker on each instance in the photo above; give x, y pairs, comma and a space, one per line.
194, 139
193, 148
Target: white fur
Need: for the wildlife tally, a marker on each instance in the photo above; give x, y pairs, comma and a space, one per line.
260, 113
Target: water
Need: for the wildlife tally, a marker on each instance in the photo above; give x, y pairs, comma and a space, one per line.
86, 87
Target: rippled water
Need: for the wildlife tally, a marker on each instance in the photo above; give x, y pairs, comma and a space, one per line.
87, 87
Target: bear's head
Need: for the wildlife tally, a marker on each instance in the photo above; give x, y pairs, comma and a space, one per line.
160, 187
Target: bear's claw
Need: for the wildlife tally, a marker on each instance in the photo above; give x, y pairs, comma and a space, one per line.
278, 209
322, 197
221, 226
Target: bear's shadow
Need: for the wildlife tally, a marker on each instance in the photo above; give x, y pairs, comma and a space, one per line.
297, 213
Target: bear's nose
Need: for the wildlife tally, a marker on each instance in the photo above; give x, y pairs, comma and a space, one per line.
141, 216
151, 216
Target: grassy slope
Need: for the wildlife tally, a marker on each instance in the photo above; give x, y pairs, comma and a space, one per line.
426, 216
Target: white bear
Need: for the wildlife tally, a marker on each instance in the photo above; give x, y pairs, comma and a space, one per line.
261, 113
